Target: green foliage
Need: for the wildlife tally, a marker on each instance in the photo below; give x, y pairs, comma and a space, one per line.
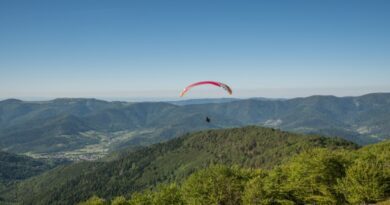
387, 202
267, 188
364, 182
216, 185
315, 176
17, 167
312, 176
144, 198
120, 200
368, 178
94, 200
168, 195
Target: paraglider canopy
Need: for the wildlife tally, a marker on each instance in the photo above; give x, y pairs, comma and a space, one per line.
222, 85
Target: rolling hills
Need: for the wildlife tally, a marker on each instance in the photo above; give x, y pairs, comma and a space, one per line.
174, 160
89, 128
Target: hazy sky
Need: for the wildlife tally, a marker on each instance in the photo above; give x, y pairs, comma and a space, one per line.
152, 49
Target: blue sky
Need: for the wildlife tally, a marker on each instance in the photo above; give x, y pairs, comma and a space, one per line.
152, 49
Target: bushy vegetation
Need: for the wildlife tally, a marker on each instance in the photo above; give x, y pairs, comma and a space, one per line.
316, 176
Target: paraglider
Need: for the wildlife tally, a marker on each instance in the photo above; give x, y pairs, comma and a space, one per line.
219, 84
222, 85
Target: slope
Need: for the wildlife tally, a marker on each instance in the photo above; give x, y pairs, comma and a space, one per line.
16, 167
170, 161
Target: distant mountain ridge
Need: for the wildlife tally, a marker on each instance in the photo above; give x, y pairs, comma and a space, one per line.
90, 126
202, 101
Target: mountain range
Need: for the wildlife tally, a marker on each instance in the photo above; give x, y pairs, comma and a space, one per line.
90, 129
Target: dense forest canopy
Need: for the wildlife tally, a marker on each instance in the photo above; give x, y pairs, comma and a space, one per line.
316, 176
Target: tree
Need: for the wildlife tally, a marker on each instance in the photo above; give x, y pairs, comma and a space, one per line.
267, 188
94, 200
144, 198
216, 185
168, 195
368, 178
120, 200
312, 176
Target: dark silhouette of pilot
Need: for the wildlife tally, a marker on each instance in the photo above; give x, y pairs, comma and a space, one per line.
208, 119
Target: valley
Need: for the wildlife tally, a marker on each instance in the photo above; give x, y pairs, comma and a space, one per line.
89, 129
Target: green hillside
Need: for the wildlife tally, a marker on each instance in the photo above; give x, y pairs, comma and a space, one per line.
16, 167
317, 176
167, 162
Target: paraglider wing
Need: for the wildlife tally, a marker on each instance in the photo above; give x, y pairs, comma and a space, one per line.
222, 85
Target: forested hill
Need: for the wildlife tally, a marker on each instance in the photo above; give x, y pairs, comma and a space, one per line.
317, 176
16, 167
171, 161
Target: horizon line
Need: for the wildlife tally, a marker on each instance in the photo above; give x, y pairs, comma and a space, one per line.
175, 99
